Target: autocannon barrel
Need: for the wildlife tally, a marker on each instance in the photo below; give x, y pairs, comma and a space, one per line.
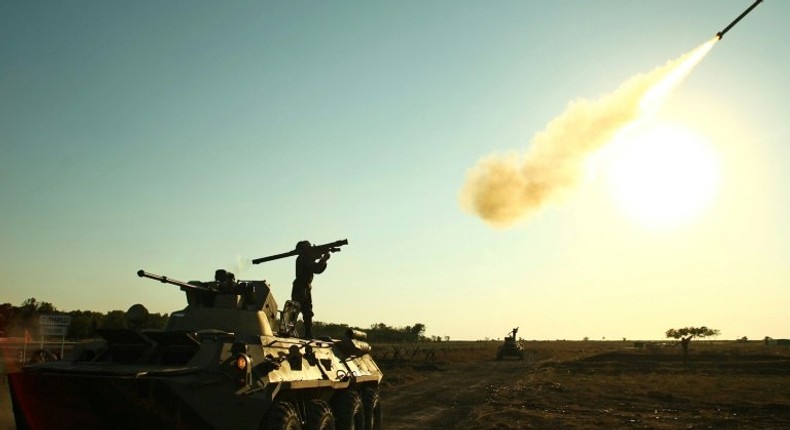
166, 280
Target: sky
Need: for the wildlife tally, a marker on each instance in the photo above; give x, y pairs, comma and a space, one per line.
181, 137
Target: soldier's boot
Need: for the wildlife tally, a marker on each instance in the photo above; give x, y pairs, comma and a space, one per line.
308, 327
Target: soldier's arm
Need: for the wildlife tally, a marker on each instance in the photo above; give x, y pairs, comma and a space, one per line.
319, 266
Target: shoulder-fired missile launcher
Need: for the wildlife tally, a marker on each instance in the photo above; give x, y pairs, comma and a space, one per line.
229, 360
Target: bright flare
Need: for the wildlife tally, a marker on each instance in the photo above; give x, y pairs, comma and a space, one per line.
663, 176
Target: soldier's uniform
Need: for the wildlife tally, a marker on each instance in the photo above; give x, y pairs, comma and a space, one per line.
307, 265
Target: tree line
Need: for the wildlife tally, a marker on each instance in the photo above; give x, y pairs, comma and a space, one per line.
377, 333
15, 320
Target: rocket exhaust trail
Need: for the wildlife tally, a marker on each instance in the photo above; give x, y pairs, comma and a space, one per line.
505, 188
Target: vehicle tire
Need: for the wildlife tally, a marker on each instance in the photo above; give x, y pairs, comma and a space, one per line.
283, 416
349, 410
372, 404
319, 416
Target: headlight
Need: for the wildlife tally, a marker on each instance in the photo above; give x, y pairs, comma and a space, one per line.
242, 362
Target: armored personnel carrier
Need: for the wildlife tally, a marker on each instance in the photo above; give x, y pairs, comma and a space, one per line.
511, 347
226, 361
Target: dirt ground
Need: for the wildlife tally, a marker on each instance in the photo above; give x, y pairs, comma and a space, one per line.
578, 385
605, 386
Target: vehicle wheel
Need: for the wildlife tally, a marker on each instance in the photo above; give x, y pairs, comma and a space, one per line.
349, 411
319, 416
372, 404
283, 416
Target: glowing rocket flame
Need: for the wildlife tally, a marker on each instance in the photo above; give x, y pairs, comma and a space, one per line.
655, 97
504, 188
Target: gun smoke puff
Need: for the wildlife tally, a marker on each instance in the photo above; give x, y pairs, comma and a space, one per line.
505, 188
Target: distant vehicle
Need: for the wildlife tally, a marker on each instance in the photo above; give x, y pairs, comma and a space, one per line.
511, 347
226, 361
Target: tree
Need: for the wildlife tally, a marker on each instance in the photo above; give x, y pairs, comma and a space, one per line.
6, 315
156, 321
14, 320
83, 324
416, 332
383, 333
32, 306
320, 329
115, 320
685, 335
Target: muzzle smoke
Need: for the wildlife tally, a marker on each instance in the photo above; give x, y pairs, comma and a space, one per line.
505, 188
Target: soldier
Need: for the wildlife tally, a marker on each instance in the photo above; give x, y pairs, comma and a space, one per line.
307, 264
684, 342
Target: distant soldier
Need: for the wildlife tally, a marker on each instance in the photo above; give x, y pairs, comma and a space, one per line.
515, 330
307, 264
684, 342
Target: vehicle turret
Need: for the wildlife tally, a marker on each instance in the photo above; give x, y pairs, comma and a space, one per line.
223, 304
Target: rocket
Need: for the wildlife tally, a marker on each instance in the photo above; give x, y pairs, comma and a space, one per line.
732, 24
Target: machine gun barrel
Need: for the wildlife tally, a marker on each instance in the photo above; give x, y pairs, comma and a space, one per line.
166, 280
316, 250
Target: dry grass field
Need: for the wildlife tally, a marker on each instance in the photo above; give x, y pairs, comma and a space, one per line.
589, 385
578, 385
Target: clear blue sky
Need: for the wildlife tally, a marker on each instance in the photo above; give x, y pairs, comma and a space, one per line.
184, 136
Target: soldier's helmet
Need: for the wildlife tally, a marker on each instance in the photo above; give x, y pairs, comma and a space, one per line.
303, 246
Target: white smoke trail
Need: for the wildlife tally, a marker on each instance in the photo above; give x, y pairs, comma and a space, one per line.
505, 188
242, 264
